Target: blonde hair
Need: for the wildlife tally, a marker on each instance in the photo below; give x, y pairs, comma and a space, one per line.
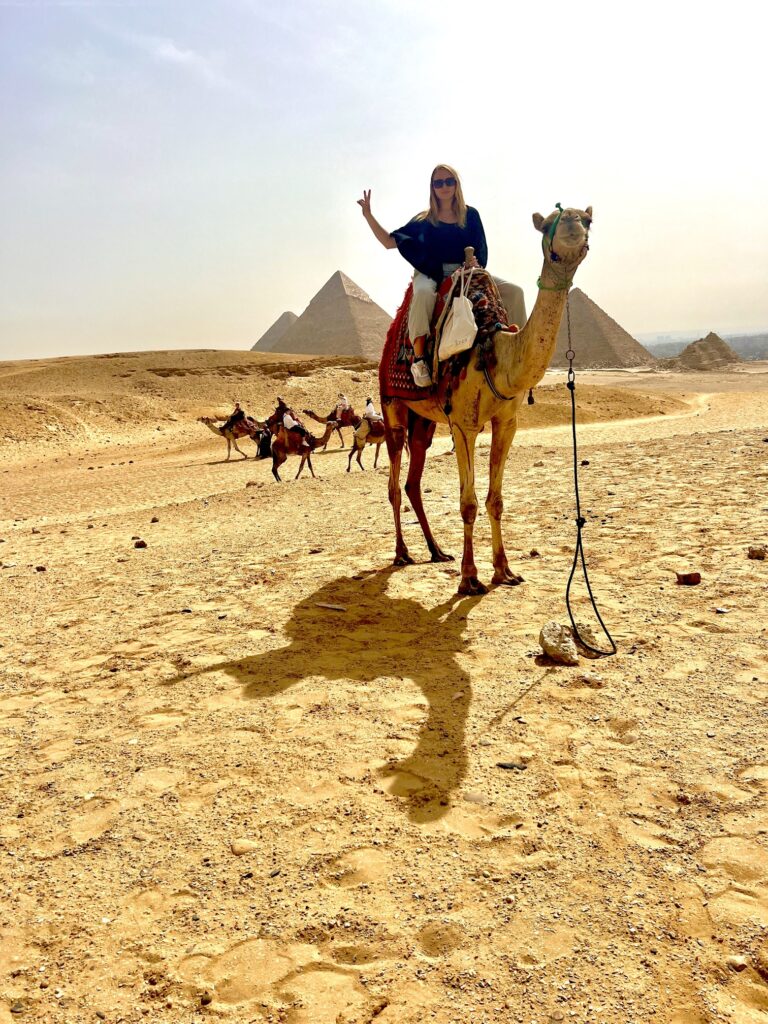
458, 206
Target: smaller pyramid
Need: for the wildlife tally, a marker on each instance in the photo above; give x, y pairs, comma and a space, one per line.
710, 353
598, 341
270, 338
341, 320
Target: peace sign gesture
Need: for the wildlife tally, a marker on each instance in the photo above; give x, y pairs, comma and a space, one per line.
365, 203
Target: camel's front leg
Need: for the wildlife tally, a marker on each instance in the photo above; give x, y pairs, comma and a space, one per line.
420, 441
239, 450
503, 433
465, 457
229, 447
341, 436
376, 460
395, 425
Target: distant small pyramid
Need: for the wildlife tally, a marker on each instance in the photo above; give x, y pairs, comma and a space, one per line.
708, 353
341, 320
598, 341
270, 338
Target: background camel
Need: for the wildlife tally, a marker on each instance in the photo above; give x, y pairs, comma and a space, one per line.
348, 418
289, 442
516, 363
247, 427
373, 435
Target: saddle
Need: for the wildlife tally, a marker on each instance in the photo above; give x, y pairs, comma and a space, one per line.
395, 378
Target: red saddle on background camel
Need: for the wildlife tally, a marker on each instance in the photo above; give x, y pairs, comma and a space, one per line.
395, 380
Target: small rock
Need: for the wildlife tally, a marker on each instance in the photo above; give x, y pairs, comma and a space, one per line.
206, 998
688, 579
512, 765
722, 611
35, 530
40, 568
534, 553
17, 1007
585, 462
539, 463
275, 873
242, 846
737, 963
756, 551
154, 519
557, 642
592, 680
140, 544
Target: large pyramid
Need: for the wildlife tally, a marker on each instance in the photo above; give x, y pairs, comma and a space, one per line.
341, 320
270, 338
598, 341
710, 353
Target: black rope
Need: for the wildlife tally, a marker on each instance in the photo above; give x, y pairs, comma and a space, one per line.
570, 355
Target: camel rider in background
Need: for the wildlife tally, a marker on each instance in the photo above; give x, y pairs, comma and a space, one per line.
370, 411
294, 425
370, 417
342, 405
236, 416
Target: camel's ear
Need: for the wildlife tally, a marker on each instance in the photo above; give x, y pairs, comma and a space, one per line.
588, 212
538, 222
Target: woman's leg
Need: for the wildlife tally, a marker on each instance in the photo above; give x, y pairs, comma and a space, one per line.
421, 310
514, 300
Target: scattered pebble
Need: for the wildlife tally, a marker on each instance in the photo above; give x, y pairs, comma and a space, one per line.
510, 765
206, 998
585, 462
40, 568
688, 579
737, 963
333, 607
140, 544
534, 553
242, 846
592, 680
757, 551
154, 519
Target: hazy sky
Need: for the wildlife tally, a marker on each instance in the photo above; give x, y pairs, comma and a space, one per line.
177, 174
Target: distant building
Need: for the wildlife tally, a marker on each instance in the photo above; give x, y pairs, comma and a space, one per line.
341, 320
598, 341
267, 341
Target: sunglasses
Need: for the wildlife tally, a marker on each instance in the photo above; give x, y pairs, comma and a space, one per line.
440, 182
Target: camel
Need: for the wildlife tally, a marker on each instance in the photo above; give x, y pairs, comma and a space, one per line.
244, 428
348, 418
289, 442
486, 394
373, 435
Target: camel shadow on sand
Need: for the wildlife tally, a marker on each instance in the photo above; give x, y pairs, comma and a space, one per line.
378, 636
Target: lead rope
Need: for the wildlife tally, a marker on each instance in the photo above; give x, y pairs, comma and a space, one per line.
570, 355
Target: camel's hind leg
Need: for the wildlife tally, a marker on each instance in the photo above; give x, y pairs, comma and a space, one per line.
376, 459
341, 436
420, 433
465, 457
503, 434
241, 452
395, 424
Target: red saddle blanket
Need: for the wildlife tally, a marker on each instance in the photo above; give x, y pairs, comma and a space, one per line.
395, 380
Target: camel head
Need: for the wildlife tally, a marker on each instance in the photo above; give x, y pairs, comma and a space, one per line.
565, 235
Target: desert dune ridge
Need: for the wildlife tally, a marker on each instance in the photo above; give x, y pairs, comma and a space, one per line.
251, 772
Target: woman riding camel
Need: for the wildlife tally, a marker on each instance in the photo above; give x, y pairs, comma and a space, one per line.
433, 242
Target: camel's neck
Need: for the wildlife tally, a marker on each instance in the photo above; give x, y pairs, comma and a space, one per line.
523, 358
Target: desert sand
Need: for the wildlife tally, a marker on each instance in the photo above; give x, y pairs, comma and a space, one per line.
250, 771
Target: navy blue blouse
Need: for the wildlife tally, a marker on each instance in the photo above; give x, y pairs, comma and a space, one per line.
428, 246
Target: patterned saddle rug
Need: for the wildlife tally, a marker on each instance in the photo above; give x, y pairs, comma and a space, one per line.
395, 378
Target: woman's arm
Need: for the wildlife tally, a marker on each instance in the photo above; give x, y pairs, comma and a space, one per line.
381, 233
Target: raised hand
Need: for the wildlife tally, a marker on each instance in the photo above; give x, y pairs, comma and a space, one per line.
365, 203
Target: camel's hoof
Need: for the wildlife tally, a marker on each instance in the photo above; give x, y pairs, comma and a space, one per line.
441, 556
403, 559
472, 586
508, 579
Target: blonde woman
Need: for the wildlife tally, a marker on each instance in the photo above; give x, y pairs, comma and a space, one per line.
433, 242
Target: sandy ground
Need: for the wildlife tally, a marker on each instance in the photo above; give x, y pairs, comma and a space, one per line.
223, 799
